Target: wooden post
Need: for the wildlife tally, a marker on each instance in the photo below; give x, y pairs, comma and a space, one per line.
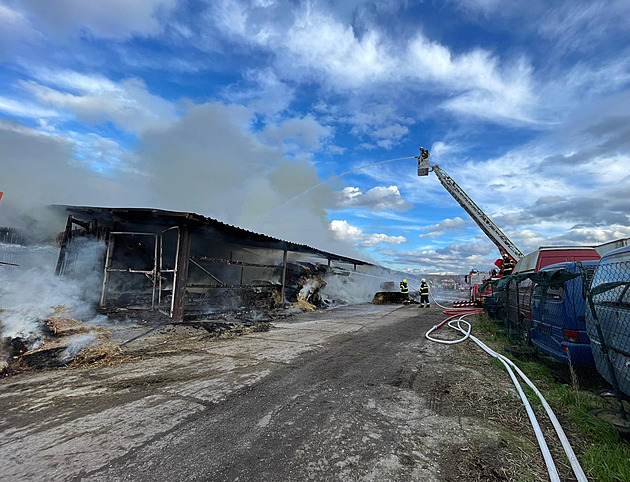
108, 263
67, 235
284, 274
182, 260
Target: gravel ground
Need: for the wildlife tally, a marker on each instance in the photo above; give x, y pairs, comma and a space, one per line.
355, 393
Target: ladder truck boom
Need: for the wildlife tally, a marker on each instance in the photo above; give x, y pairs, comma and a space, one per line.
484, 222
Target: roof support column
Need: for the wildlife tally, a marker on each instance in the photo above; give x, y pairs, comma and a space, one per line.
284, 275
182, 260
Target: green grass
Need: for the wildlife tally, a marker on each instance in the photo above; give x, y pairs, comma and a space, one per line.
486, 327
607, 461
606, 456
535, 370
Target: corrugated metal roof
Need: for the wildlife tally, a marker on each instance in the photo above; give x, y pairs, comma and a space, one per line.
140, 214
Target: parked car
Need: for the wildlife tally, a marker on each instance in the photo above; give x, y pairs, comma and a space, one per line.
558, 315
612, 307
519, 295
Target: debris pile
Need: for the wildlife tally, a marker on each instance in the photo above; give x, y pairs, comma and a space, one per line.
61, 340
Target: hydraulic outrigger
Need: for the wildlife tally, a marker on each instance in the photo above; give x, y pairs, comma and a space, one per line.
486, 224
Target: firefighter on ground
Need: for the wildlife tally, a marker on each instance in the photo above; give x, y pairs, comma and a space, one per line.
424, 293
404, 289
508, 265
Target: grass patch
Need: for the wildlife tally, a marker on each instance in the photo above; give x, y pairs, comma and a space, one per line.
605, 455
607, 462
535, 371
489, 329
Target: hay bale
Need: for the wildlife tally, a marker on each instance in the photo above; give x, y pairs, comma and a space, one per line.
65, 326
384, 297
102, 353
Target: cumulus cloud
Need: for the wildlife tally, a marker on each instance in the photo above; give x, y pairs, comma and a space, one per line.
456, 258
298, 134
352, 234
96, 99
378, 198
310, 44
439, 229
261, 91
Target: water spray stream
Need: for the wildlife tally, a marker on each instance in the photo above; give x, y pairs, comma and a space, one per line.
325, 181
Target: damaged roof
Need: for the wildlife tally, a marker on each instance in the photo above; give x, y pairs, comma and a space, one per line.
150, 216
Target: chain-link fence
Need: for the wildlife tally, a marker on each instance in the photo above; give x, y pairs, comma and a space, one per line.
608, 320
574, 314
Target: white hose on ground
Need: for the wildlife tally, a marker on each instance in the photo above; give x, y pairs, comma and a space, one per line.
551, 468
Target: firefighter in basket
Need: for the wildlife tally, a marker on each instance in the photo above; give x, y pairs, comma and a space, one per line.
508, 265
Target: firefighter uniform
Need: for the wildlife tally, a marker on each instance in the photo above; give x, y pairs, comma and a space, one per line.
404, 289
508, 266
424, 294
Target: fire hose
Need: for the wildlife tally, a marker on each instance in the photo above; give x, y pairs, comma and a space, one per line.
457, 322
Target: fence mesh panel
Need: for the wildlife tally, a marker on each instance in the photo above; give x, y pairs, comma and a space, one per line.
608, 322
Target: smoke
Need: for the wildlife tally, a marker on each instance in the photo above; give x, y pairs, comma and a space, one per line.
77, 343
38, 169
358, 287
210, 161
31, 292
225, 171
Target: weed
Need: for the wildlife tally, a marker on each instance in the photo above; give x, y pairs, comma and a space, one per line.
607, 462
536, 371
606, 457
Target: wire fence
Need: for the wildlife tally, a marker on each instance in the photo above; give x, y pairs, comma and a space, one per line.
576, 316
608, 322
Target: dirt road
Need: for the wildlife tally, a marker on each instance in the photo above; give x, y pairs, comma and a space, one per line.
355, 393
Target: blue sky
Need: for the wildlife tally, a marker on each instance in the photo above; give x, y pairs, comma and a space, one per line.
233, 109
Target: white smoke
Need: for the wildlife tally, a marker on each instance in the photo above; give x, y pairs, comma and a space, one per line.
31, 292
354, 288
76, 344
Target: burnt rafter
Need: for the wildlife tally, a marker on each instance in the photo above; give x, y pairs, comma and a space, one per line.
162, 261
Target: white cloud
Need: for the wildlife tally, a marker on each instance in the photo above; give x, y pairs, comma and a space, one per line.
25, 109
352, 234
95, 99
311, 45
439, 229
582, 25
378, 198
298, 134
262, 91
111, 19
456, 258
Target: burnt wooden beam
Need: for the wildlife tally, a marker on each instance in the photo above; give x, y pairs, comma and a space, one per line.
234, 262
284, 275
181, 274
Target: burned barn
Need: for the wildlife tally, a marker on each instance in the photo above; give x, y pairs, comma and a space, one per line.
186, 266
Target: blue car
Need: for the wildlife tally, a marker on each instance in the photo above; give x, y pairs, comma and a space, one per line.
610, 290
558, 316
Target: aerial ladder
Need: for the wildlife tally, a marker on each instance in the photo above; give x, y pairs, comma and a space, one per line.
486, 224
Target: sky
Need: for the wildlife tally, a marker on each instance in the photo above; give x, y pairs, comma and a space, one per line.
261, 113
